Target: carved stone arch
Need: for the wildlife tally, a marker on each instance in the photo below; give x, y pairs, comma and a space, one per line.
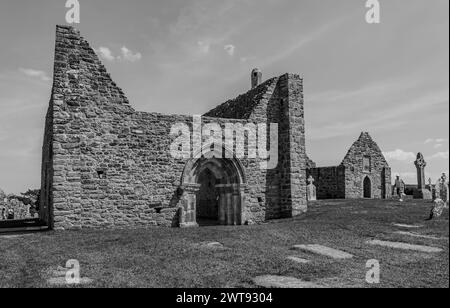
191, 169
228, 176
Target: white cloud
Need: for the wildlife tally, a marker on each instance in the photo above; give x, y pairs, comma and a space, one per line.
400, 155
438, 140
230, 49
125, 54
106, 54
437, 143
128, 55
35, 74
440, 155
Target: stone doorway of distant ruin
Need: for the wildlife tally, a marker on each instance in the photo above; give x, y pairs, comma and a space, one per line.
208, 198
213, 192
367, 188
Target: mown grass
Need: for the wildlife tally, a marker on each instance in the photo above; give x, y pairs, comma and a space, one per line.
173, 258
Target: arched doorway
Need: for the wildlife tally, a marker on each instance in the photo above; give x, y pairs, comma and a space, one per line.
213, 191
367, 188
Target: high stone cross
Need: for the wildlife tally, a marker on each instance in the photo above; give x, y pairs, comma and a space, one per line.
421, 192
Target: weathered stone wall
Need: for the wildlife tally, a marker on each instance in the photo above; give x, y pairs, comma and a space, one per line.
292, 146
365, 152
260, 105
329, 181
46, 203
251, 105
106, 165
278, 100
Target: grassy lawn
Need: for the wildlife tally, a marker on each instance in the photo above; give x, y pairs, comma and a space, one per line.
175, 257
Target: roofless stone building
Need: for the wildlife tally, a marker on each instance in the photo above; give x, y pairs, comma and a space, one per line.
364, 173
106, 165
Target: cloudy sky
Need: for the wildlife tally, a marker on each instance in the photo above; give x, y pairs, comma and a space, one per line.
187, 56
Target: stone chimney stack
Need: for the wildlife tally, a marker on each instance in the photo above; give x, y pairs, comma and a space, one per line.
256, 77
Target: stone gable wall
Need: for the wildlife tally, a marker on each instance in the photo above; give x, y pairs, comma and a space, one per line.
292, 146
379, 174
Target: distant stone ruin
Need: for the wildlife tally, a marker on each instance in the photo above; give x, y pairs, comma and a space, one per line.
12, 208
364, 173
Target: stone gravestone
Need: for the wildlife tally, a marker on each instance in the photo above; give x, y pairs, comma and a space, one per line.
421, 192
442, 188
440, 197
430, 185
438, 209
311, 190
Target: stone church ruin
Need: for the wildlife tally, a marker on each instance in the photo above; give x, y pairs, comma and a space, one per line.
106, 165
364, 173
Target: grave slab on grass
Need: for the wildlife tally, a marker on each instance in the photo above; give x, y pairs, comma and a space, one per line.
408, 226
405, 246
428, 237
325, 251
282, 282
7, 236
298, 260
360, 212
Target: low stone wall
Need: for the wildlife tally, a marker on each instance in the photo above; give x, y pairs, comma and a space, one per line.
330, 182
